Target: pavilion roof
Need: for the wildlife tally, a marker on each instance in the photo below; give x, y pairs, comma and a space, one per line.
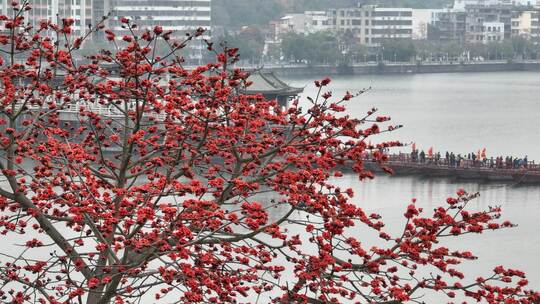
267, 83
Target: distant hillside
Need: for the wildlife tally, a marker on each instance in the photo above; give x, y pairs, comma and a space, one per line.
234, 13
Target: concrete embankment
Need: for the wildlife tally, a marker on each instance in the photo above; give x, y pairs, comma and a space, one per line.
405, 68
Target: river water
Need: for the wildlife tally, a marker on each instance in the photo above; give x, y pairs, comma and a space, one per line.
460, 113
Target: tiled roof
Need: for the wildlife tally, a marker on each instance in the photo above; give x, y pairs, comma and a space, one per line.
265, 82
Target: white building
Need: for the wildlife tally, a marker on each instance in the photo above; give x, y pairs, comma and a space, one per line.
292, 23
493, 32
317, 21
56, 10
390, 23
180, 16
371, 25
306, 23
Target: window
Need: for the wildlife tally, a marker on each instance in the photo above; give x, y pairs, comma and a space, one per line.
385, 13
392, 22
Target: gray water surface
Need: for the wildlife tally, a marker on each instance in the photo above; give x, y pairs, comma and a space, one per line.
461, 113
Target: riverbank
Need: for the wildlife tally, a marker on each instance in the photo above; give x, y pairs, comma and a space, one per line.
404, 68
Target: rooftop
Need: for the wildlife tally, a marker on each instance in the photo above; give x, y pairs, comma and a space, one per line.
267, 83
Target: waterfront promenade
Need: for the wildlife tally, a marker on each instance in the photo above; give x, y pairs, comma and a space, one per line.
390, 67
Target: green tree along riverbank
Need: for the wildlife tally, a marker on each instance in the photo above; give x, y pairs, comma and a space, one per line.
321, 47
331, 49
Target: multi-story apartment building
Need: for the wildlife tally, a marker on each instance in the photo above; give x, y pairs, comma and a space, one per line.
306, 23
291, 23
390, 23
180, 16
493, 32
83, 12
177, 15
470, 21
53, 10
480, 15
487, 21
525, 23
317, 21
372, 25
450, 25
349, 19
